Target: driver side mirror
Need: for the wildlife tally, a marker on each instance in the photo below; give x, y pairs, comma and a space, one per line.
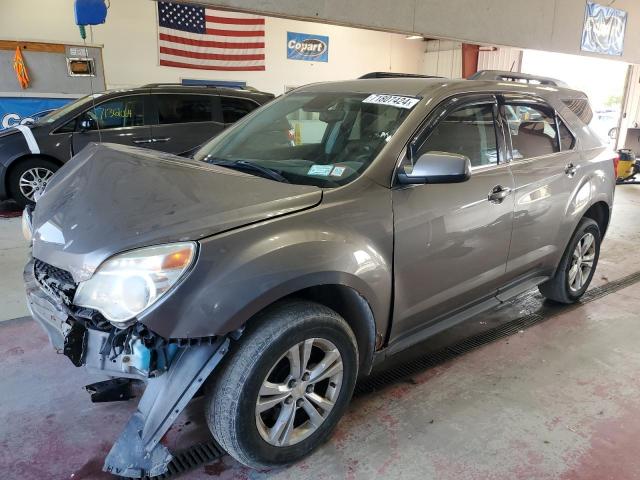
436, 167
87, 124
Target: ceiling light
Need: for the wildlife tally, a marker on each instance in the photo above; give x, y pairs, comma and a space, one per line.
414, 37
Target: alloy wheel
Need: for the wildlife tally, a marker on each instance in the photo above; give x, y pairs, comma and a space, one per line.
582, 262
34, 181
299, 392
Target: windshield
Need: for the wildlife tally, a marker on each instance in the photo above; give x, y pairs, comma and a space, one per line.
324, 139
62, 111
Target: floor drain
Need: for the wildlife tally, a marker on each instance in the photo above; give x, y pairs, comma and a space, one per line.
398, 373
190, 459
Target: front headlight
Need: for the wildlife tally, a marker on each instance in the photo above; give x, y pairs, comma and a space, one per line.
127, 284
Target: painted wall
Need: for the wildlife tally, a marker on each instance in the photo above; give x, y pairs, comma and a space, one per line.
443, 58
553, 25
130, 46
500, 58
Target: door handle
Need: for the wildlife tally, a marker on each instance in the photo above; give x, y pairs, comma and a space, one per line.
163, 139
499, 193
570, 169
140, 141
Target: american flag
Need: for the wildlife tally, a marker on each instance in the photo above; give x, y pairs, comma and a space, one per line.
196, 37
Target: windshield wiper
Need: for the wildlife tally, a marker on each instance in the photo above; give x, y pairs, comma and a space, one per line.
244, 165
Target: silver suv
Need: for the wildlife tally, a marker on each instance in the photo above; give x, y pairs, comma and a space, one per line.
320, 235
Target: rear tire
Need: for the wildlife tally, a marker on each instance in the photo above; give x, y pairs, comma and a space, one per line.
28, 177
261, 407
577, 266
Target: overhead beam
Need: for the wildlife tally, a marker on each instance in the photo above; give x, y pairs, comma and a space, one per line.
32, 46
552, 25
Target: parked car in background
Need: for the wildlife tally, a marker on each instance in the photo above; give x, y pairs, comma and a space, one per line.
605, 123
166, 117
270, 274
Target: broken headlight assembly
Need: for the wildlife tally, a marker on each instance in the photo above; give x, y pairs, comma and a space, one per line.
126, 284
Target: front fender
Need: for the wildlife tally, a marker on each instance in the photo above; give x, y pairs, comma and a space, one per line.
239, 273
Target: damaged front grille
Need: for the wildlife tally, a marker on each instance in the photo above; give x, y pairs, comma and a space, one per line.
55, 281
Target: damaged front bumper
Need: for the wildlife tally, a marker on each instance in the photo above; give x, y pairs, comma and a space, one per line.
173, 372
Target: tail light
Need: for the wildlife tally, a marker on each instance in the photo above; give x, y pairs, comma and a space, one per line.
616, 160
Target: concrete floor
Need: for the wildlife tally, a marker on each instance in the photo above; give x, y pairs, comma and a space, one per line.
556, 401
13, 255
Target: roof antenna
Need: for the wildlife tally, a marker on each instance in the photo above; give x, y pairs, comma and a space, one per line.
93, 95
91, 12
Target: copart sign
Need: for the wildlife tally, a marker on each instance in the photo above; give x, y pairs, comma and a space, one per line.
20, 111
311, 48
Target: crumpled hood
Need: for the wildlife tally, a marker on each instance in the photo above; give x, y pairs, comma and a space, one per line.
110, 198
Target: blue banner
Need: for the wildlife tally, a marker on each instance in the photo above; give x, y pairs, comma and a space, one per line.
20, 110
311, 48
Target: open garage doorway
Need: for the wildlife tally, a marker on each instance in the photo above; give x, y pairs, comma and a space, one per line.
603, 80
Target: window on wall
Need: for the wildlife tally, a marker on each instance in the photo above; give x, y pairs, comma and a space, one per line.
533, 131
184, 108
468, 131
233, 109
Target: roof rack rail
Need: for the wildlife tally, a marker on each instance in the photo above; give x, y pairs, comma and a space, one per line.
205, 84
395, 75
168, 84
503, 76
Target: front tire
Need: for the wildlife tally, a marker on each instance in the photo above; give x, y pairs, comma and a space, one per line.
28, 178
577, 266
284, 385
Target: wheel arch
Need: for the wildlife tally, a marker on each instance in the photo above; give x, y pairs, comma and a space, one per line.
351, 305
600, 213
14, 163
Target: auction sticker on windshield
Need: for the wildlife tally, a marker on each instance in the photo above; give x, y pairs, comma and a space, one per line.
392, 100
321, 170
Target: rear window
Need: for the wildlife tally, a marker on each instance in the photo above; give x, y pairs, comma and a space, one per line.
581, 108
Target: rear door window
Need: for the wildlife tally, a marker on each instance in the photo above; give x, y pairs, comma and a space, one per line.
233, 108
533, 130
180, 108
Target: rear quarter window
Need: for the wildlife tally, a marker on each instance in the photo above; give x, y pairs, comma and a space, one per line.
567, 141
